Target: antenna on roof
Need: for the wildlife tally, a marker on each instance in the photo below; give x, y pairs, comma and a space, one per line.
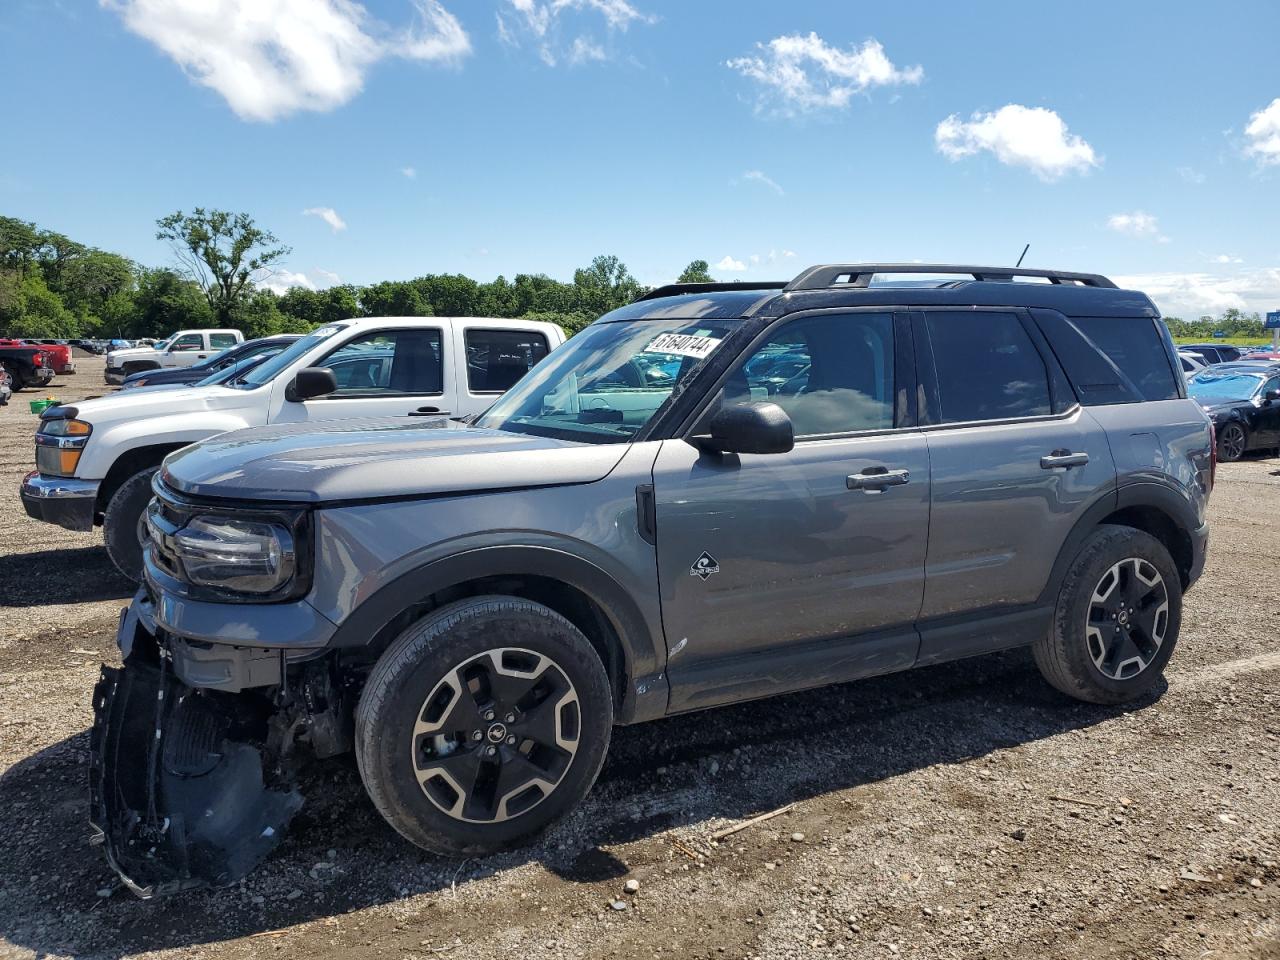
1024, 253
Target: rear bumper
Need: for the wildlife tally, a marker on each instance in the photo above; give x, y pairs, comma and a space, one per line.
64, 501
1199, 551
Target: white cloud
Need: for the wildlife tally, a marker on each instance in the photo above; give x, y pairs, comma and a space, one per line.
585, 50
759, 176
409, 173
540, 21
1191, 175
278, 281
1137, 224
798, 74
730, 265
1226, 258
326, 278
1191, 295
1263, 132
328, 215
271, 58
1031, 137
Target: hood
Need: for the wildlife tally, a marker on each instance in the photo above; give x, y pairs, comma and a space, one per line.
142, 402
1221, 407
379, 458
127, 352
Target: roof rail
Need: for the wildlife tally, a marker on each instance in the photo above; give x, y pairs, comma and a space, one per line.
674, 289
860, 274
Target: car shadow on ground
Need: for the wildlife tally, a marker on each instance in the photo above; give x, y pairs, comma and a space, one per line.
341, 857
71, 575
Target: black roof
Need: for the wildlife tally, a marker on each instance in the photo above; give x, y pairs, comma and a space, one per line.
844, 285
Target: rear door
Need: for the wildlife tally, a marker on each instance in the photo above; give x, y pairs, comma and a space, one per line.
496, 357
380, 373
1015, 462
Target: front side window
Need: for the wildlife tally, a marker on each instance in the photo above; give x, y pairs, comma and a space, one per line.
388, 362
609, 381
832, 374
188, 341
987, 366
497, 359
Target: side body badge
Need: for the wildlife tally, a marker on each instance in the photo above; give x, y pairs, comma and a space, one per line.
704, 566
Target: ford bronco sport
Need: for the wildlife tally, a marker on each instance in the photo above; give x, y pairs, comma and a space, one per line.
717, 493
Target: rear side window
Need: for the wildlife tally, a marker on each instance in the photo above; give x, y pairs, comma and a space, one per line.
496, 359
220, 341
1112, 359
988, 368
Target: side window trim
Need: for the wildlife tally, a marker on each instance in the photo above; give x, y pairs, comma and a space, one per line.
904, 366
927, 372
374, 395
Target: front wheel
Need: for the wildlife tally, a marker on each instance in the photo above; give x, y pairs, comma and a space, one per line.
482, 725
122, 523
1117, 618
1232, 442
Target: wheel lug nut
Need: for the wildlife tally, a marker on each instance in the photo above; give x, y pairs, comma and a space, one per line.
491, 751
476, 735
511, 741
488, 714
510, 718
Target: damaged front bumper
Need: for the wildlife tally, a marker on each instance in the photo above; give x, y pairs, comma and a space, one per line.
193, 786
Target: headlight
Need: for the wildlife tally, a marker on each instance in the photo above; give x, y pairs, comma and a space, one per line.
59, 444
136, 383
230, 554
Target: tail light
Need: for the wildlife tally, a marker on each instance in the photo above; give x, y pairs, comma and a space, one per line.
38, 360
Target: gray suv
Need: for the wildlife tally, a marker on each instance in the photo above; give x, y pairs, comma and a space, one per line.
718, 493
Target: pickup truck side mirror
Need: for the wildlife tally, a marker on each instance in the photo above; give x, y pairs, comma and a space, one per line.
310, 382
748, 428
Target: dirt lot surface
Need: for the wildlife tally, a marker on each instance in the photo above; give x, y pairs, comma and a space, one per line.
958, 811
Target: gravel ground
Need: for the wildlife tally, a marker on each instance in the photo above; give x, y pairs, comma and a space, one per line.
959, 811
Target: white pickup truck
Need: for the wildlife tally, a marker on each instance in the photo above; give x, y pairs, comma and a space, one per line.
181, 350
95, 458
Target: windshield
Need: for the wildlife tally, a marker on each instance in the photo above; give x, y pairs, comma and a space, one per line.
1223, 386
606, 383
237, 369
265, 372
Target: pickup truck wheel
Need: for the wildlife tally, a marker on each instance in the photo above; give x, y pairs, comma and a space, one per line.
482, 725
1117, 618
122, 524
15, 377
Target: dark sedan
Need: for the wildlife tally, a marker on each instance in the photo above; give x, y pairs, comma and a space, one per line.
1244, 403
239, 355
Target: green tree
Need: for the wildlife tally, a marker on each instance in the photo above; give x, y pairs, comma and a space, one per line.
698, 271
19, 244
222, 252
92, 277
449, 294
604, 286
28, 308
393, 298
164, 303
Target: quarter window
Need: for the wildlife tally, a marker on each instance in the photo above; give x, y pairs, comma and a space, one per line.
988, 368
388, 363
220, 341
832, 374
497, 359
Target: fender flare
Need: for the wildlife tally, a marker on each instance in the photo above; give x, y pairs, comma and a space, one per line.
643, 654
1161, 496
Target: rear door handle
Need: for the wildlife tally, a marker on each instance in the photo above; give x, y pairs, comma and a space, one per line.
1063, 459
428, 412
875, 479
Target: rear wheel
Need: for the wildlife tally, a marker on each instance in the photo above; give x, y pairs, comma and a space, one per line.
1117, 618
15, 377
1232, 442
482, 725
123, 524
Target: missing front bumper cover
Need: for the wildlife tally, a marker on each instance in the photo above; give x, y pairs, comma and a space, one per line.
178, 779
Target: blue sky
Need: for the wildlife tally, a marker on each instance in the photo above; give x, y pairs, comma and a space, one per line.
489, 137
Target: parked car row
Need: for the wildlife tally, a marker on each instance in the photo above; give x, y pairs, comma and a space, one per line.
1243, 400
716, 493
25, 364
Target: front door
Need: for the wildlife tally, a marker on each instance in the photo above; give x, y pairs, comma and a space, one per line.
785, 571
384, 373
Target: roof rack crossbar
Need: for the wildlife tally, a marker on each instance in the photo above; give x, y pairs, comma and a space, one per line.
860, 274
674, 289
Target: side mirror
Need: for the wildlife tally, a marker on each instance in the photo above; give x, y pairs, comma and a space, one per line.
748, 428
311, 382
1271, 395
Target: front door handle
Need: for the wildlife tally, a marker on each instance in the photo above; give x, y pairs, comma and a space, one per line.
875, 479
1063, 459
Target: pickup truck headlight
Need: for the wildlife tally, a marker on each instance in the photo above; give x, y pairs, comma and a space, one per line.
244, 556
59, 444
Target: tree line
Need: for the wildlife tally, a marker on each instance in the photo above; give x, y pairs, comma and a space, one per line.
53, 286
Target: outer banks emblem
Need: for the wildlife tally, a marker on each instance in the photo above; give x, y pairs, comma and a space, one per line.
704, 566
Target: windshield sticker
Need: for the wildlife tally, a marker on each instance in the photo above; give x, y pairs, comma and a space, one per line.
683, 345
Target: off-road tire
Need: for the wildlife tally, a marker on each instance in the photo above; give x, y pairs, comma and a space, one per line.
1233, 441
1063, 654
417, 662
120, 523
